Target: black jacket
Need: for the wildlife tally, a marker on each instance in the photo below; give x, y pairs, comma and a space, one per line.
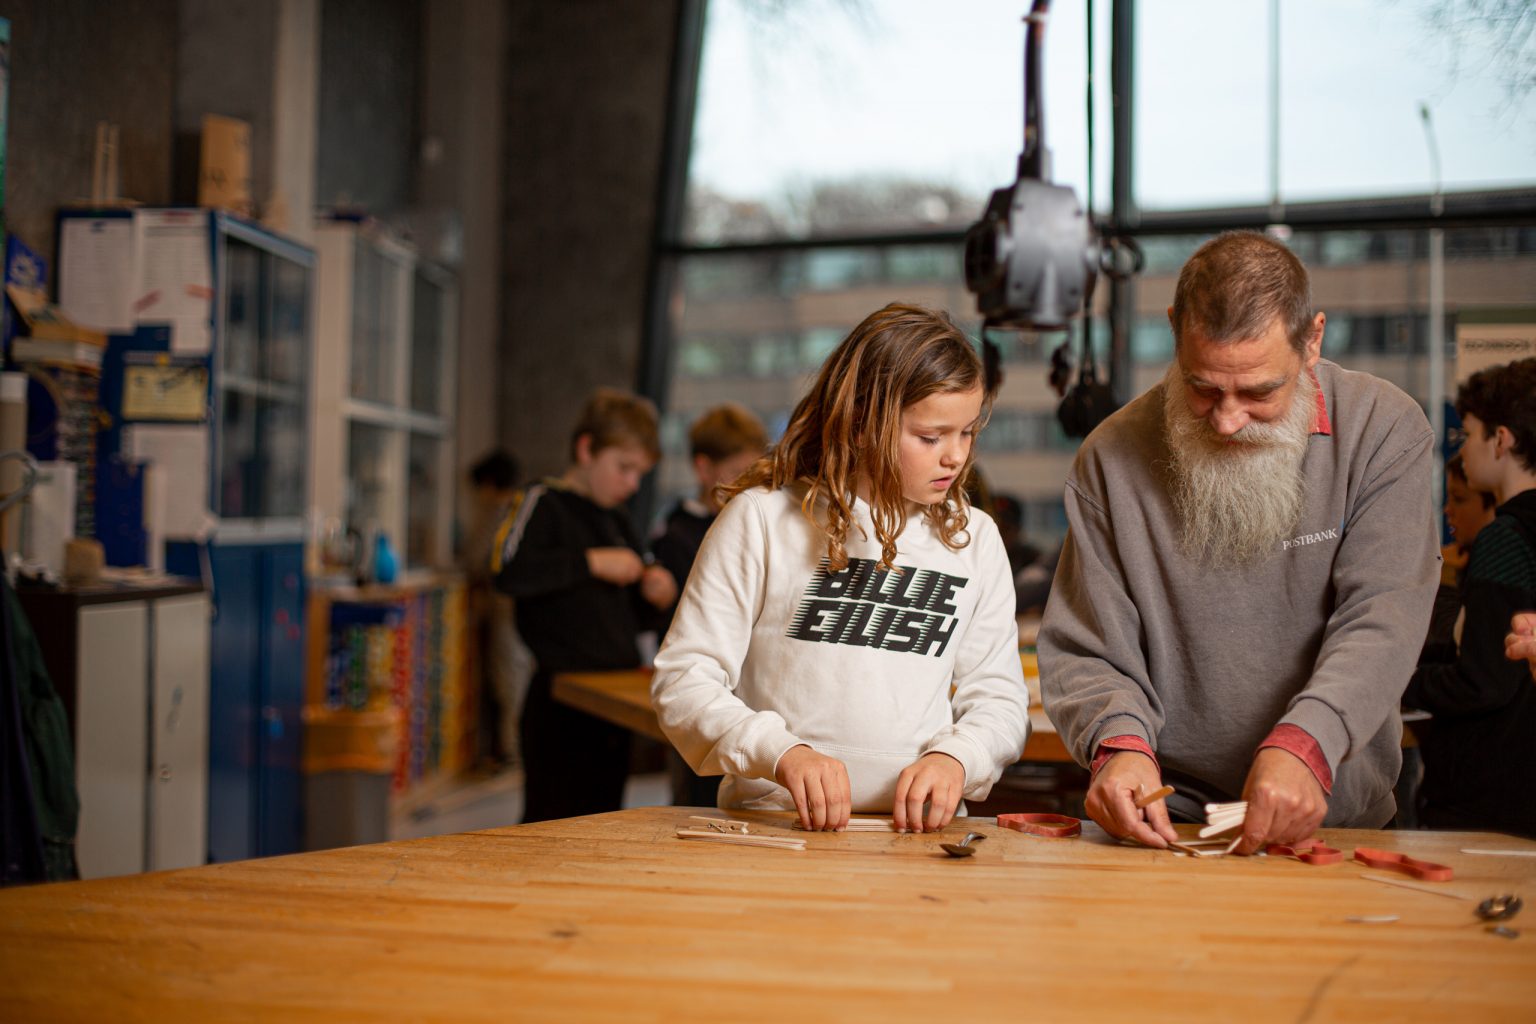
1480, 748
571, 620
678, 545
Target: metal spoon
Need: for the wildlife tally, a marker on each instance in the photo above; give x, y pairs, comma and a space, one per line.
1499, 908
963, 848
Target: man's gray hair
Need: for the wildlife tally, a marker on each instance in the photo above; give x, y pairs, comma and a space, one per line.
1235, 285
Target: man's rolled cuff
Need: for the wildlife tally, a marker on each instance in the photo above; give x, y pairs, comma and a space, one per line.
1295, 740
1108, 748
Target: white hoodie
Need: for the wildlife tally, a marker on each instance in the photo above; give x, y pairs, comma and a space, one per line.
768, 651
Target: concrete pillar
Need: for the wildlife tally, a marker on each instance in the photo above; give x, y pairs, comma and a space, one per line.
295, 112
461, 167
585, 111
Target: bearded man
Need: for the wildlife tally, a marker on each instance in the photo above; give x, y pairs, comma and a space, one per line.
1248, 574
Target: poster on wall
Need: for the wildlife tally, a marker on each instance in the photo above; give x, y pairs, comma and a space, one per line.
1483, 343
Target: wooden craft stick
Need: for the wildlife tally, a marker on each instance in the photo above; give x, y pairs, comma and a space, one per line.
736, 838
1153, 797
721, 824
1236, 805
1197, 848
1219, 827
861, 825
1420, 888
1501, 853
1211, 819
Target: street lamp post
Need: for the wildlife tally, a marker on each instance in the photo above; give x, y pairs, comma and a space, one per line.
1436, 296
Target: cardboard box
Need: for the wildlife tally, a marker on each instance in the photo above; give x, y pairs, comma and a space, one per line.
224, 169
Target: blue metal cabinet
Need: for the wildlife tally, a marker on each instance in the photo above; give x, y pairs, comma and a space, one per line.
234, 747
256, 698
280, 813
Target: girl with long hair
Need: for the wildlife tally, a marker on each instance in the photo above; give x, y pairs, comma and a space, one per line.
846, 640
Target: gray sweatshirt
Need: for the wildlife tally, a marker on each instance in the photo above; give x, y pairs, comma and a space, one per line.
1202, 663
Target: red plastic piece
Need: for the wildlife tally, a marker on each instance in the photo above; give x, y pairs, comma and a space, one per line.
1052, 826
1311, 852
1426, 870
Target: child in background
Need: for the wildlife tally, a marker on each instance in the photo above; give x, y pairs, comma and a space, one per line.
504, 661
723, 443
1467, 511
842, 592
570, 558
1479, 764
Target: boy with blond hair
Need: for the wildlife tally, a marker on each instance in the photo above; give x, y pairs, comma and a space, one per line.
570, 557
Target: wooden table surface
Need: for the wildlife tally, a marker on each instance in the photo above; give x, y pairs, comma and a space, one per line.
624, 698
612, 918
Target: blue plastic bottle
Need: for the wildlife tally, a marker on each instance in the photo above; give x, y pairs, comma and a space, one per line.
385, 566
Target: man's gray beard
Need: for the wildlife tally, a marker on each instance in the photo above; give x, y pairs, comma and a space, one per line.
1236, 502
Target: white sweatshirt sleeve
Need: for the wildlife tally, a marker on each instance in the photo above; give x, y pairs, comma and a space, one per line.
991, 702
699, 665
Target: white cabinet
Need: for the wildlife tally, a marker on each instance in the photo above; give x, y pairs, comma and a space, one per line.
111, 741
131, 667
178, 715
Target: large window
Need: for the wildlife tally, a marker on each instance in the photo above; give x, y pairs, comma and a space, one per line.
850, 117
1230, 114
840, 148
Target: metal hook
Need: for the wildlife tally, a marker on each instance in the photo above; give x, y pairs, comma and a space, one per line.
29, 466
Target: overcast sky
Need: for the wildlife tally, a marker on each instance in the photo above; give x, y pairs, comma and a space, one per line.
828, 89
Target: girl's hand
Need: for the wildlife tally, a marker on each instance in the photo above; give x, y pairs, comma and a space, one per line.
820, 787
617, 565
935, 779
658, 586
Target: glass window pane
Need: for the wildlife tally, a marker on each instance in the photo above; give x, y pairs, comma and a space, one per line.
427, 313
375, 330
423, 538
825, 116
371, 478
1374, 288
287, 350
240, 470
283, 444
242, 308
1352, 77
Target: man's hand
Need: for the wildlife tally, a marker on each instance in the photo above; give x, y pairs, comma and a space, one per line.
1521, 641
619, 566
1112, 801
935, 779
658, 586
819, 785
1286, 803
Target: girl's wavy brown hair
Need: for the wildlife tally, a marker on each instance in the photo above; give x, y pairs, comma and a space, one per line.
850, 421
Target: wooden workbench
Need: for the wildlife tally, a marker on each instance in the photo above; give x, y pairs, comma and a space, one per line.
624, 698
612, 918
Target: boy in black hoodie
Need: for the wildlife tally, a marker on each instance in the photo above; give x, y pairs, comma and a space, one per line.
1480, 753
571, 559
